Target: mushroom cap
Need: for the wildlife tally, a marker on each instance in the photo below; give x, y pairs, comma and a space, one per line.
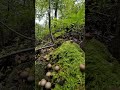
42, 82
49, 65
24, 74
27, 69
48, 85
57, 68
82, 67
48, 74
31, 78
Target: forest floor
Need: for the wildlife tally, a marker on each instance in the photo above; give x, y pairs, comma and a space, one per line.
18, 70
43, 59
14, 64
98, 60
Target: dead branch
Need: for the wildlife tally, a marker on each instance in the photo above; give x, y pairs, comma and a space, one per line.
25, 50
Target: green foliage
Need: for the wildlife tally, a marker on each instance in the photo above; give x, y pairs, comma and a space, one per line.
70, 13
58, 34
40, 32
73, 18
102, 69
69, 57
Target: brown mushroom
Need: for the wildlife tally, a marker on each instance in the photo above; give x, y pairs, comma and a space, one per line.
48, 85
30, 78
57, 68
24, 74
48, 74
27, 69
82, 67
42, 82
49, 66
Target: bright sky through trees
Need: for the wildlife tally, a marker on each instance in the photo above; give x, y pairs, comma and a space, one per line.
42, 21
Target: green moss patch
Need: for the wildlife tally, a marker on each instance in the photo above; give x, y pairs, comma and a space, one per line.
102, 70
68, 56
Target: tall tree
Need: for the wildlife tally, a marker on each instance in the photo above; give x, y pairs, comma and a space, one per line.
56, 8
49, 11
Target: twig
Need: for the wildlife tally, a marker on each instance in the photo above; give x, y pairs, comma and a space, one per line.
100, 13
17, 32
44, 47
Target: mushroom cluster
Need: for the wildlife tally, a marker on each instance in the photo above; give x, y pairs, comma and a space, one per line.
26, 75
44, 83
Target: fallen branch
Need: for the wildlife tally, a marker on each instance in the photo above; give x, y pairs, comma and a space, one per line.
16, 52
38, 50
100, 13
25, 50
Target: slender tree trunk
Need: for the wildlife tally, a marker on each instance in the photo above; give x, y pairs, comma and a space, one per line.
56, 8
52, 39
118, 19
115, 44
2, 38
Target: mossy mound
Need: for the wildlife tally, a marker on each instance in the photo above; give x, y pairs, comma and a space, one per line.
68, 56
102, 70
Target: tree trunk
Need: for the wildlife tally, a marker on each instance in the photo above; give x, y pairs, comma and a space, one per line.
115, 44
52, 39
2, 38
56, 8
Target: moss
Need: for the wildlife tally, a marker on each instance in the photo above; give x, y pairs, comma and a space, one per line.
68, 56
101, 73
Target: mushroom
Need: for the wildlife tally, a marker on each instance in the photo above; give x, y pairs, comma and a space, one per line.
48, 85
82, 67
24, 74
48, 74
88, 35
49, 65
27, 69
57, 68
42, 82
31, 78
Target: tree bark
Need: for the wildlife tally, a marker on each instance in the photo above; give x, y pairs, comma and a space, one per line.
56, 8
2, 38
52, 39
115, 44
